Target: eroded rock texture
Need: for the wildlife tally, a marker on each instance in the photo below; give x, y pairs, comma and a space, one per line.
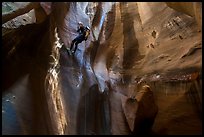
139, 72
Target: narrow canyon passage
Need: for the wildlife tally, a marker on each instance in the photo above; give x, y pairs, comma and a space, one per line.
138, 73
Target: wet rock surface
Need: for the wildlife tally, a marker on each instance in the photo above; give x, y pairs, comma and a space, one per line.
139, 72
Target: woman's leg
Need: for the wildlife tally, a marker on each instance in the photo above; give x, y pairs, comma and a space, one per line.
72, 44
76, 45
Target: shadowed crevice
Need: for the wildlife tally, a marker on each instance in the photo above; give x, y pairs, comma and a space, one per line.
130, 43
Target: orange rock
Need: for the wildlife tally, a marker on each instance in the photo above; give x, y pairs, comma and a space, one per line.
194, 76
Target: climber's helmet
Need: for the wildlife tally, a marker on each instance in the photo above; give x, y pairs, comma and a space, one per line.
80, 23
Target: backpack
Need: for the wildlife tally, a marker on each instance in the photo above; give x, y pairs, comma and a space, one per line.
87, 29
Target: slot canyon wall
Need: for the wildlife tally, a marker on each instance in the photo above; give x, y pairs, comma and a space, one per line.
139, 72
